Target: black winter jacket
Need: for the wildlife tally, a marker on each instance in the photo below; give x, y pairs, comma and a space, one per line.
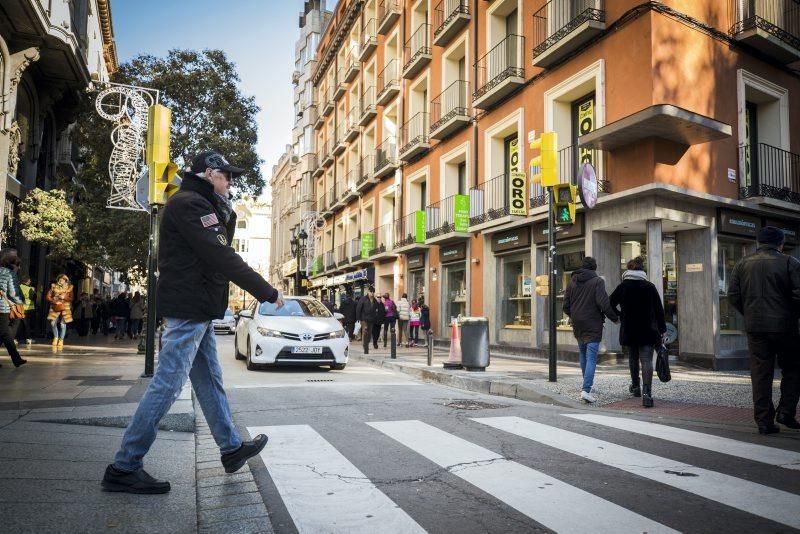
765, 288
642, 314
348, 308
380, 312
365, 310
586, 302
196, 261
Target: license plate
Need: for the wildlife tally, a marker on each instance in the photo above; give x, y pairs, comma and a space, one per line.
306, 350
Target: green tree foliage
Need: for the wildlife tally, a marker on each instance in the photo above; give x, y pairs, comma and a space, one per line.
46, 218
208, 112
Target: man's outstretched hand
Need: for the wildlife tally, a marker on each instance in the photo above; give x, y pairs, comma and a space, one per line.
279, 301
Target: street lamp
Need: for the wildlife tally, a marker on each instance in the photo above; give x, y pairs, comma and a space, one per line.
298, 243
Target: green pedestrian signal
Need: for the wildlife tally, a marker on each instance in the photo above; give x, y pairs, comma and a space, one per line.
563, 215
564, 196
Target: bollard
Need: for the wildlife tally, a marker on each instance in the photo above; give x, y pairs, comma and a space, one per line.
393, 343
429, 342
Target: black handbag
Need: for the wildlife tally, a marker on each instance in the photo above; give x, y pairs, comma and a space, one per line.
662, 363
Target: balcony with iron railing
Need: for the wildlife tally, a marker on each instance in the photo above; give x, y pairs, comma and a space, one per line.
450, 110
771, 26
342, 259
354, 250
352, 64
68, 155
369, 39
410, 232
417, 51
330, 260
386, 160
340, 144
330, 201
322, 203
767, 172
569, 171
447, 220
384, 242
366, 177
500, 72
340, 88
348, 190
329, 103
388, 14
388, 83
369, 109
414, 137
491, 203
449, 18
327, 153
314, 117
351, 123
560, 28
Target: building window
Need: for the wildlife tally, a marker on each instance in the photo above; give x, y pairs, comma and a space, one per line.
456, 276
730, 251
568, 259
517, 288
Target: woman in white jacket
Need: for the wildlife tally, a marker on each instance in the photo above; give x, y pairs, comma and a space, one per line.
403, 308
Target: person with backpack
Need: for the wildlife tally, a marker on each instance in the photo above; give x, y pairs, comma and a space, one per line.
643, 325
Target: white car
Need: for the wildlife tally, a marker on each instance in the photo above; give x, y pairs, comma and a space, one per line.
225, 325
302, 332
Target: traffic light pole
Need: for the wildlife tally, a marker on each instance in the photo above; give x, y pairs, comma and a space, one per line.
551, 249
152, 280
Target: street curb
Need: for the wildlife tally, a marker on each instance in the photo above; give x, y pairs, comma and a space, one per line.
497, 387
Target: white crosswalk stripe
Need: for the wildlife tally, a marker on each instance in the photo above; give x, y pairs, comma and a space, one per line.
535, 494
731, 447
757, 499
322, 490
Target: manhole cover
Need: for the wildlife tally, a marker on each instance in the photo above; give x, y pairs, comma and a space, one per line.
468, 404
319, 380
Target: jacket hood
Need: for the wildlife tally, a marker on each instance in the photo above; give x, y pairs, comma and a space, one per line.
634, 275
584, 275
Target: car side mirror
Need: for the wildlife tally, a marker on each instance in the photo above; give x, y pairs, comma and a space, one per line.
338, 316
247, 314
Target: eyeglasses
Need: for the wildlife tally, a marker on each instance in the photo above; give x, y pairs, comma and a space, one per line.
226, 174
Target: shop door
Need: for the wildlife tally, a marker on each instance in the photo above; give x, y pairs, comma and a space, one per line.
670, 275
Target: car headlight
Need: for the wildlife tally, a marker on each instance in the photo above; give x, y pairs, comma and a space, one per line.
266, 332
337, 334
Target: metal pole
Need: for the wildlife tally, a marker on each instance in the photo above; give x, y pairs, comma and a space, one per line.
152, 280
551, 247
393, 343
429, 340
297, 272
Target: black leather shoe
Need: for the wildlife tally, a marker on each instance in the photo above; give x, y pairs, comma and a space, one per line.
636, 391
233, 461
771, 429
135, 482
787, 421
20, 362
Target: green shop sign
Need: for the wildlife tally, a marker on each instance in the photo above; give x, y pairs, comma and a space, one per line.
316, 266
461, 213
367, 244
419, 226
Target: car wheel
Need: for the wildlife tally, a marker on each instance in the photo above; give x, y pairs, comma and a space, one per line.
250, 365
338, 366
236, 353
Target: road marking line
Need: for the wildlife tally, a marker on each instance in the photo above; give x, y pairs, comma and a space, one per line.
322, 490
323, 384
757, 499
731, 447
549, 501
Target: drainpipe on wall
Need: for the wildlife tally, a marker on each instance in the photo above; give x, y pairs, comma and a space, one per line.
474, 82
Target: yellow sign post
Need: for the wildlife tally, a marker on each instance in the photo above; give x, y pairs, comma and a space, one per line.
162, 172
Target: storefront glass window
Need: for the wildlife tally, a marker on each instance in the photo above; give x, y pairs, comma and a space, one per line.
730, 252
517, 290
631, 246
416, 286
568, 259
456, 293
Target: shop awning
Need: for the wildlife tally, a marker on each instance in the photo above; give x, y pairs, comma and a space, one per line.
664, 121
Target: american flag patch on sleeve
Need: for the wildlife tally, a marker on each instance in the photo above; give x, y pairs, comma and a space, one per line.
209, 220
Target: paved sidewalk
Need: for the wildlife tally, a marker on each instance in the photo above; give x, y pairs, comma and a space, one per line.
693, 393
62, 416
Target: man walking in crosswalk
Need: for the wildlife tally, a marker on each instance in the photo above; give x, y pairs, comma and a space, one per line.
765, 288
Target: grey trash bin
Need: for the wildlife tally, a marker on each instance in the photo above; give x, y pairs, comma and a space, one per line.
475, 343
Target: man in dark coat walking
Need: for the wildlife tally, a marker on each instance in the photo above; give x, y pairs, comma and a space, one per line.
196, 264
765, 288
586, 303
365, 312
347, 307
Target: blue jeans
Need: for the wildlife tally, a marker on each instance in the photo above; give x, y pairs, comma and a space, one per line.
190, 348
59, 327
588, 363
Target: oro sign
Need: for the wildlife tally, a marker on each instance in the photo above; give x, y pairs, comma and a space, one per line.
587, 186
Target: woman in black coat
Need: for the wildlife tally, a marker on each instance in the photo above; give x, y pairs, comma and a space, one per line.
380, 318
643, 325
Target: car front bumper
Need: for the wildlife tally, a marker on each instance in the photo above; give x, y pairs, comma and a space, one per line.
278, 351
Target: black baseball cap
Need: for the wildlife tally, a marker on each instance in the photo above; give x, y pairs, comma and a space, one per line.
211, 159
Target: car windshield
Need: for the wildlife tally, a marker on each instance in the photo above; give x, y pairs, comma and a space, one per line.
295, 308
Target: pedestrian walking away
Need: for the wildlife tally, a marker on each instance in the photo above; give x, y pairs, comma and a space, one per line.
83, 314
765, 288
380, 319
365, 313
403, 309
8, 290
389, 318
415, 319
120, 310
60, 298
424, 319
29, 297
642, 326
587, 305
137, 308
196, 264
347, 307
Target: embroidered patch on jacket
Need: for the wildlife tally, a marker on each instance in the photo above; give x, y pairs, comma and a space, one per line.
209, 220
222, 239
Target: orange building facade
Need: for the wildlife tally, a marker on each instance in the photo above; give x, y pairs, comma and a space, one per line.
687, 110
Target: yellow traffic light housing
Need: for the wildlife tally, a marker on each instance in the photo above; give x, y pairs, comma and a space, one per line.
162, 172
544, 167
543, 285
564, 197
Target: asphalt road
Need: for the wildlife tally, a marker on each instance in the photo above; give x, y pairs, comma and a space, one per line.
369, 450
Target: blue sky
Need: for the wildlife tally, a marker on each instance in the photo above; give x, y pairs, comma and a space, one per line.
258, 35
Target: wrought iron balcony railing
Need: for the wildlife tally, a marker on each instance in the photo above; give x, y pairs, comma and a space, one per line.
414, 132
446, 13
779, 18
503, 61
450, 103
768, 171
557, 19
